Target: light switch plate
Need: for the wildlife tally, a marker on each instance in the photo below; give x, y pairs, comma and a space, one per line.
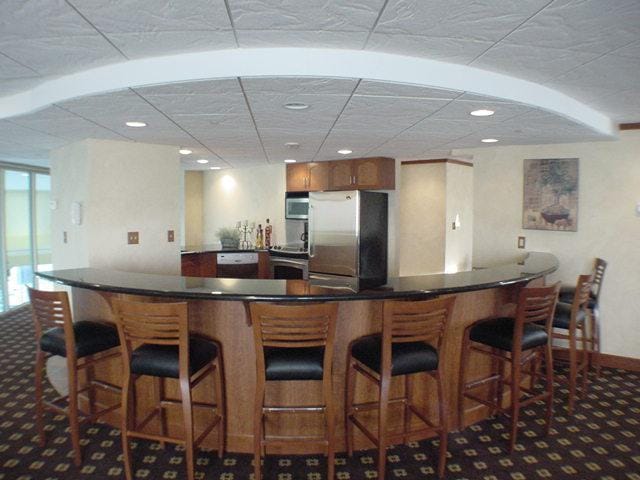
638, 209
133, 238
171, 236
521, 242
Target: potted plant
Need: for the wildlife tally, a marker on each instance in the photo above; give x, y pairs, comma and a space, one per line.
229, 237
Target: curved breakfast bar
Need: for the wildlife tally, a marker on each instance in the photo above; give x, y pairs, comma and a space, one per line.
217, 309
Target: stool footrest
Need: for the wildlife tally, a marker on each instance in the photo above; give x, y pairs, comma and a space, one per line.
207, 430
293, 409
482, 381
363, 407
278, 440
156, 438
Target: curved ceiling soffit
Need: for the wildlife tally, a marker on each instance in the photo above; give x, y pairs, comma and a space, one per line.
301, 62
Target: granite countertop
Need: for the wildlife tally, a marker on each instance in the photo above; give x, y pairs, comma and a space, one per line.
535, 265
214, 248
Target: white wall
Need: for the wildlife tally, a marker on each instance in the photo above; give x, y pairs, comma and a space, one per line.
253, 194
123, 187
608, 227
193, 213
459, 201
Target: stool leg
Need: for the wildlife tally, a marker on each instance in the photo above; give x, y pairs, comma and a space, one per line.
385, 383
573, 370
74, 422
185, 390
516, 379
161, 412
535, 368
39, 374
585, 361
127, 419
408, 393
222, 406
548, 362
91, 393
350, 394
462, 380
444, 425
595, 341
331, 424
257, 428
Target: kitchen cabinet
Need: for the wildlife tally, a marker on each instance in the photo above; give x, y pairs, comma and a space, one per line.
307, 177
204, 264
341, 175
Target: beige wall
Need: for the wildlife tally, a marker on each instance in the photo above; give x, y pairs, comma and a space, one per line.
123, 186
193, 213
608, 226
459, 202
253, 194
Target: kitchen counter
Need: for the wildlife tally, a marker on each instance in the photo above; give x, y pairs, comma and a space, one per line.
215, 248
535, 265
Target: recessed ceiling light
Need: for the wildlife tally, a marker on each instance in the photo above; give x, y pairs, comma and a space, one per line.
215, 168
290, 160
489, 140
296, 106
185, 151
345, 151
136, 124
292, 144
202, 160
482, 113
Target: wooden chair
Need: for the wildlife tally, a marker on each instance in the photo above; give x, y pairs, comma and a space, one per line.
166, 350
84, 344
519, 341
412, 335
293, 342
573, 319
567, 295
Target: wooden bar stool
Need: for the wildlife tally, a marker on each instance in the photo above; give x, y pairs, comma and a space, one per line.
166, 350
567, 295
519, 341
293, 342
572, 318
84, 344
412, 335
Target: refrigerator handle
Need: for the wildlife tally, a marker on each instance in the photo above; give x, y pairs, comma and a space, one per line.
310, 233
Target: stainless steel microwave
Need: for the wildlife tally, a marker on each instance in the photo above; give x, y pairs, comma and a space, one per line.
296, 206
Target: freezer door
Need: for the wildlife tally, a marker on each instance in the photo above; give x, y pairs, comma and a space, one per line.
333, 232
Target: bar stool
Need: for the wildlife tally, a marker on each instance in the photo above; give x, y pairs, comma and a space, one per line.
567, 294
167, 351
573, 318
293, 342
412, 335
84, 344
518, 341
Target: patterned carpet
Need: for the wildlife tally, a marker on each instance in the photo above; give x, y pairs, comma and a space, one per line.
600, 441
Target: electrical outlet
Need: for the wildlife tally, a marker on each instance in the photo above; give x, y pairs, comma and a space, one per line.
65, 239
521, 242
170, 236
133, 238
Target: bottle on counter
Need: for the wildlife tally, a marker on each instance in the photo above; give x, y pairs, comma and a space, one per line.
267, 235
259, 238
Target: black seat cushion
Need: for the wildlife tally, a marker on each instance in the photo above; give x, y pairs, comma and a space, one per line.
498, 333
162, 360
567, 294
406, 358
294, 363
91, 337
562, 316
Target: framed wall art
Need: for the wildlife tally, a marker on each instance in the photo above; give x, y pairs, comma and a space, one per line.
550, 194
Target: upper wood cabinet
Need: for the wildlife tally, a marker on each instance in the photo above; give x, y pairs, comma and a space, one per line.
375, 173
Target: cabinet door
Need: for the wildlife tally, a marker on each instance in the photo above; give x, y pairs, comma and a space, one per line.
190, 265
297, 177
377, 173
318, 176
340, 175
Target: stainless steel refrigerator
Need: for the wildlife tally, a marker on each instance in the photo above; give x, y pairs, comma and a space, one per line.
348, 236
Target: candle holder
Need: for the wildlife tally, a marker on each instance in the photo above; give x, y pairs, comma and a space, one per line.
245, 230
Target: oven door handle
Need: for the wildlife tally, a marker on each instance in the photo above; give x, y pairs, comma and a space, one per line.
297, 263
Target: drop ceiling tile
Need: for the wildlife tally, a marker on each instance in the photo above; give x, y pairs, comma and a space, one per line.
125, 16
215, 126
17, 85
338, 15
623, 107
12, 69
630, 50
11, 133
149, 44
584, 25
216, 104
456, 50
533, 63
300, 39
388, 89
11, 151
460, 110
61, 55
22, 19
487, 20
203, 87
454, 128
298, 85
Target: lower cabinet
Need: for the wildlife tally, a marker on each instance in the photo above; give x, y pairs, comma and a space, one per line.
204, 264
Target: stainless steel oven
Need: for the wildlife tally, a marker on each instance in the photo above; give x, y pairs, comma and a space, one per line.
286, 268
